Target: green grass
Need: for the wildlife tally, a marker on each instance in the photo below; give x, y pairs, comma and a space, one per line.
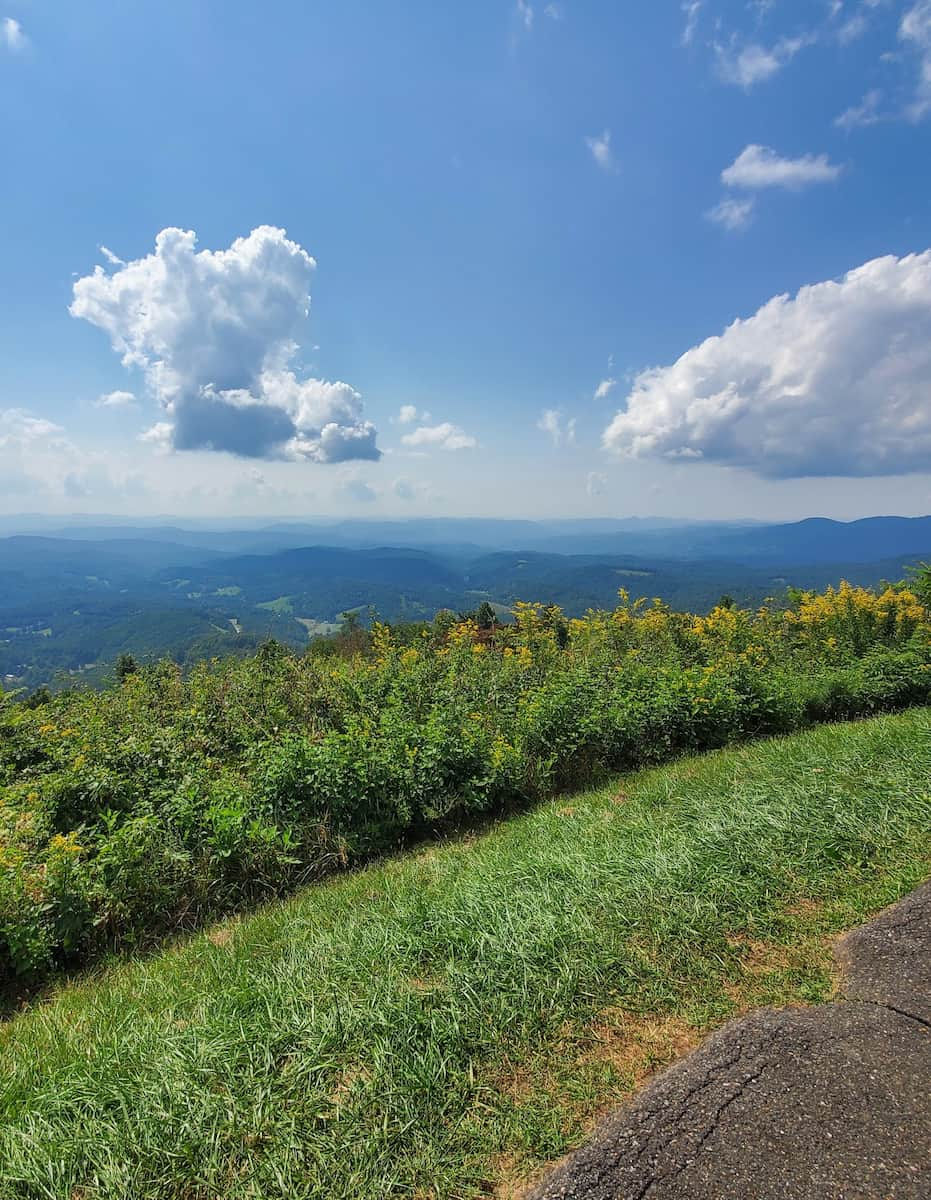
444, 1022
283, 605
317, 628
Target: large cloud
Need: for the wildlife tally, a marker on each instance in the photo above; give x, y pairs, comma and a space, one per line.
215, 333
833, 381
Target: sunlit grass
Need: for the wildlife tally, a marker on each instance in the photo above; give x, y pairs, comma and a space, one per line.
442, 1023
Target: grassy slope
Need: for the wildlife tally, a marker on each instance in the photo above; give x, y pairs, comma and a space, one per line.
438, 1024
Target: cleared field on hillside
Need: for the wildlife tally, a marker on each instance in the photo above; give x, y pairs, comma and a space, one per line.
441, 1024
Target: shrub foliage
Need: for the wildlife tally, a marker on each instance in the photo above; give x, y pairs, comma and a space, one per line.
148, 807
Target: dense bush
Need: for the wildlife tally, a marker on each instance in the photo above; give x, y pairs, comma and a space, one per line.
145, 808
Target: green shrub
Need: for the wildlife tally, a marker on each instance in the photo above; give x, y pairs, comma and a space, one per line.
153, 805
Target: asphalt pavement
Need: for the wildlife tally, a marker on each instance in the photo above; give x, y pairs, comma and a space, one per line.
824, 1103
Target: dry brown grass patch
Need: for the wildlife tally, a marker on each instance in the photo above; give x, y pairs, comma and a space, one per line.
347, 1080
805, 909
518, 1081
631, 1046
424, 986
511, 1179
221, 936
634, 1046
763, 958
764, 965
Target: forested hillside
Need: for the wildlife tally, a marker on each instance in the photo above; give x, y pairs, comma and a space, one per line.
70, 605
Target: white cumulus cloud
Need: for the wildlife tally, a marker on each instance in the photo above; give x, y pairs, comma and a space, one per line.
833, 381
441, 437
761, 167
215, 333
605, 388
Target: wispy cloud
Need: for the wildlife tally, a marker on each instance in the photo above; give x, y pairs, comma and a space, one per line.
601, 152
113, 259
732, 214
915, 32
747, 64
17, 425
745, 59
525, 14
762, 8
853, 28
12, 36
357, 491
761, 167
853, 24
862, 114
551, 423
595, 484
692, 10
404, 489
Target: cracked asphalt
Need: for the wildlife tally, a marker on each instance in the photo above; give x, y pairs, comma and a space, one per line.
825, 1103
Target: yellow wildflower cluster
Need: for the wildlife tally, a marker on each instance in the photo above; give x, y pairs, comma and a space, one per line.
855, 617
462, 633
65, 845
381, 641
722, 625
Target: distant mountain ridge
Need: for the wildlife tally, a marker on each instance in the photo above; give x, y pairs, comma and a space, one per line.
813, 540
70, 603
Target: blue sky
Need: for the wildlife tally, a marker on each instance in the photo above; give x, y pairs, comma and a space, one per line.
523, 216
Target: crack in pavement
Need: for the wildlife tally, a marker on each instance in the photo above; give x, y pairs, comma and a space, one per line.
789, 1104
909, 1016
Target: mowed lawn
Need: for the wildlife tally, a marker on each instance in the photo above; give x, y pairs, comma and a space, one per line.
441, 1024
